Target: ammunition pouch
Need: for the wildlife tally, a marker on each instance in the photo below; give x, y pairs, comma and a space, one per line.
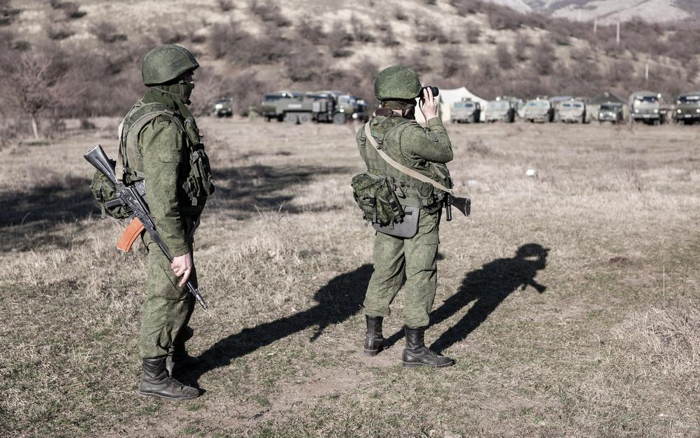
376, 197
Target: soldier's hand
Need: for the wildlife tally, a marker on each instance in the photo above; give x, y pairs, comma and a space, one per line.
182, 267
428, 104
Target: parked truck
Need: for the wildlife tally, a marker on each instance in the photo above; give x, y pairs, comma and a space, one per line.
571, 111
499, 111
612, 112
645, 106
538, 110
320, 107
687, 109
465, 111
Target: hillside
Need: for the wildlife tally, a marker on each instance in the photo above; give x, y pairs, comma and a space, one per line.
610, 11
251, 47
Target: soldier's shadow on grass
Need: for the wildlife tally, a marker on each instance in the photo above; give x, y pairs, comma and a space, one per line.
486, 288
337, 301
242, 191
32, 218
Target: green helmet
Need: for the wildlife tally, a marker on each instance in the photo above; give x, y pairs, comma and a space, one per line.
166, 63
397, 82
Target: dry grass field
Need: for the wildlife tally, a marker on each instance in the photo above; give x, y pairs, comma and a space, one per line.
602, 340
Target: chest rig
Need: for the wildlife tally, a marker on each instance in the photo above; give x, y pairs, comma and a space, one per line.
197, 181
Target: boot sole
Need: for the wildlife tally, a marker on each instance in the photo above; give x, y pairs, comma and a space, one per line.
155, 394
372, 352
420, 364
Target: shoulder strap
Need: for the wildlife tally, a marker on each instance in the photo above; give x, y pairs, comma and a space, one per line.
128, 140
400, 167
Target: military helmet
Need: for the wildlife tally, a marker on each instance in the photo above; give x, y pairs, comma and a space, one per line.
166, 63
397, 82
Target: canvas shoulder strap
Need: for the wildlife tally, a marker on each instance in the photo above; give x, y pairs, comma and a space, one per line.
128, 140
400, 167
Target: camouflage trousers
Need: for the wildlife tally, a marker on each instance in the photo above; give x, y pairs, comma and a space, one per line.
167, 308
409, 265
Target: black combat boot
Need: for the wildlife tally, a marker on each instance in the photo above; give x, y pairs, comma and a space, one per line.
178, 354
416, 354
157, 382
374, 341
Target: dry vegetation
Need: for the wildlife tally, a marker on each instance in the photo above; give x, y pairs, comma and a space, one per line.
251, 47
607, 347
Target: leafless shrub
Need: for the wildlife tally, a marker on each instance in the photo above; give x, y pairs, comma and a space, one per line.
268, 13
388, 38
544, 57
7, 13
33, 83
452, 62
311, 30
473, 34
72, 10
620, 71
466, 7
107, 32
59, 32
359, 31
504, 57
520, 47
429, 32
169, 35
504, 19
339, 40
225, 5
298, 66
400, 15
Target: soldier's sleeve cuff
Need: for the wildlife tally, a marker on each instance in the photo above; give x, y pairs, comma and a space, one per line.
434, 122
179, 249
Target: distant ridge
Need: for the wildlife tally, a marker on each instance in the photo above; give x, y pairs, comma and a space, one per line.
607, 11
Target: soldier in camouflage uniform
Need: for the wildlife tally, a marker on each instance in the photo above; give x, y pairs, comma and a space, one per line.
160, 145
409, 264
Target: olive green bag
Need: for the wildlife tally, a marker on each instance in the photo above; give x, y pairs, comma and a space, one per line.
105, 193
376, 197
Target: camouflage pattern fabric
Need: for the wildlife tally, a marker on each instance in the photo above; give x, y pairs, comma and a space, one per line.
408, 264
167, 308
165, 159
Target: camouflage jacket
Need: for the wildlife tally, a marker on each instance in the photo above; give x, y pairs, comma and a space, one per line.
175, 168
423, 149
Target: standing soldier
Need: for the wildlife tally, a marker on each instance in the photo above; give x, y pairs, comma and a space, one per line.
160, 145
413, 259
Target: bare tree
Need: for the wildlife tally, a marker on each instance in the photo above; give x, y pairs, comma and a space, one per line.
34, 84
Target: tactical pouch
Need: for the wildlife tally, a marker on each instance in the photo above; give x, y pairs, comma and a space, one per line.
376, 197
105, 194
199, 181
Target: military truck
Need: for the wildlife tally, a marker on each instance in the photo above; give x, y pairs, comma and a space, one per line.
687, 109
289, 106
465, 111
612, 112
337, 107
223, 107
645, 106
571, 111
538, 110
321, 107
499, 111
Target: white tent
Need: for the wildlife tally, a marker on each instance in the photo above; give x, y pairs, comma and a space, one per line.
448, 97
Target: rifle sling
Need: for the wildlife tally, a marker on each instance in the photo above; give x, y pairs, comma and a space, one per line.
400, 167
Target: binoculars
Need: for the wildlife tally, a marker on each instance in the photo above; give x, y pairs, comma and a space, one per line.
434, 90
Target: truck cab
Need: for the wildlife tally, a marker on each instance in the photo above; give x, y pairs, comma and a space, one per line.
687, 109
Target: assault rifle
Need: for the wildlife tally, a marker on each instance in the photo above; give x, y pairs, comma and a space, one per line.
463, 204
141, 218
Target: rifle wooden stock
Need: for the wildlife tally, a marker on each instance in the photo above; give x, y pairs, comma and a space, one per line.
130, 234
